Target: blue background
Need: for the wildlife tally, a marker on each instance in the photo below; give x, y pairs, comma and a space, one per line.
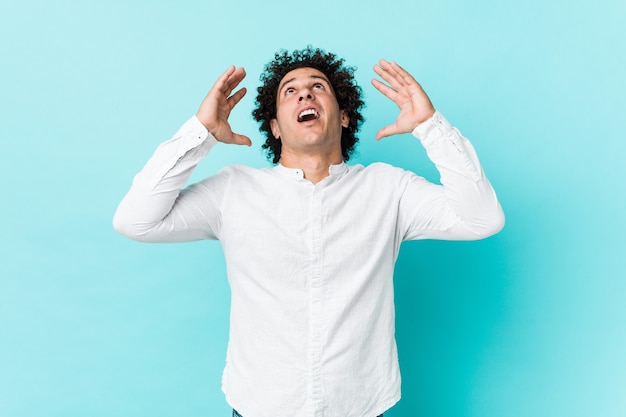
531, 322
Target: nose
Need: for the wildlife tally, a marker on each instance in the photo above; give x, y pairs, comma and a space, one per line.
308, 96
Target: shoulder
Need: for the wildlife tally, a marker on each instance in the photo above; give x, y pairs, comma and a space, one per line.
240, 169
386, 174
234, 174
378, 169
246, 176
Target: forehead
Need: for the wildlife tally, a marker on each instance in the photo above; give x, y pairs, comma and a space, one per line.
300, 74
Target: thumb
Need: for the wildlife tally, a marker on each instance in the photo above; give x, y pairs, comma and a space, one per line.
241, 140
386, 131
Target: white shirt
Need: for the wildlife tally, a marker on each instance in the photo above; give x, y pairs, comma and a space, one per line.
311, 265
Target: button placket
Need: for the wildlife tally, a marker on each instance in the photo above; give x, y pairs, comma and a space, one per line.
315, 300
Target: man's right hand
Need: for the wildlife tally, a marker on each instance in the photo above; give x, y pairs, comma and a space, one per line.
218, 103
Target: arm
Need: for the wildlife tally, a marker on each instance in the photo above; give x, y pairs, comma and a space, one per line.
155, 209
465, 206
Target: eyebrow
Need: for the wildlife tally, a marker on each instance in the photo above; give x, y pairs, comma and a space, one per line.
280, 87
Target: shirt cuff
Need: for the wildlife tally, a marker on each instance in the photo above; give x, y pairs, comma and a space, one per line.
436, 124
195, 131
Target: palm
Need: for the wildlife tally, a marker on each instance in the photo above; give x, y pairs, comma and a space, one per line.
218, 119
218, 104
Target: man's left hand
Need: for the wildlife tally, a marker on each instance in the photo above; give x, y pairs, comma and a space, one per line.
415, 106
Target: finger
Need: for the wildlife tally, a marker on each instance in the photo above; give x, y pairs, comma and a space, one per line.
384, 74
389, 92
408, 78
393, 69
387, 131
229, 80
235, 78
222, 79
404, 74
235, 98
388, 73
411, 85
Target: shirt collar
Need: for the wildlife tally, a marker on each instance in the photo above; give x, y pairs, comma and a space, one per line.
298, 174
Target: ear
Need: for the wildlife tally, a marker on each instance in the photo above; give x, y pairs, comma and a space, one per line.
275, 128
345, 119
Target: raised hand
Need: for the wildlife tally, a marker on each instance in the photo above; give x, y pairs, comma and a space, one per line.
219, 102
415, 106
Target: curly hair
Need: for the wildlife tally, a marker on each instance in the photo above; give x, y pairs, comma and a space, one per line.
341, 78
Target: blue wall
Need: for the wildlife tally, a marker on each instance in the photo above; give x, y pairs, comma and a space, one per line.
528, 323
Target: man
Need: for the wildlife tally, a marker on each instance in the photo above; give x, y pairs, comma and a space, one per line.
310, 243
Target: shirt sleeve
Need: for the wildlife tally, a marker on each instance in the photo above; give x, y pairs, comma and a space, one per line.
155, 209
464, 206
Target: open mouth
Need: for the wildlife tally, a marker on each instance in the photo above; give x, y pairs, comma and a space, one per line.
308, 114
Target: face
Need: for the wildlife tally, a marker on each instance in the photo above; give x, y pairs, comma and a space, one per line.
308, 118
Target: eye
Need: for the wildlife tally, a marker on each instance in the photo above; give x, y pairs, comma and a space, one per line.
289, 91
318, 86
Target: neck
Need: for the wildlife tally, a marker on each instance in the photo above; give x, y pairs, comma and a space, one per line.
315, 167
